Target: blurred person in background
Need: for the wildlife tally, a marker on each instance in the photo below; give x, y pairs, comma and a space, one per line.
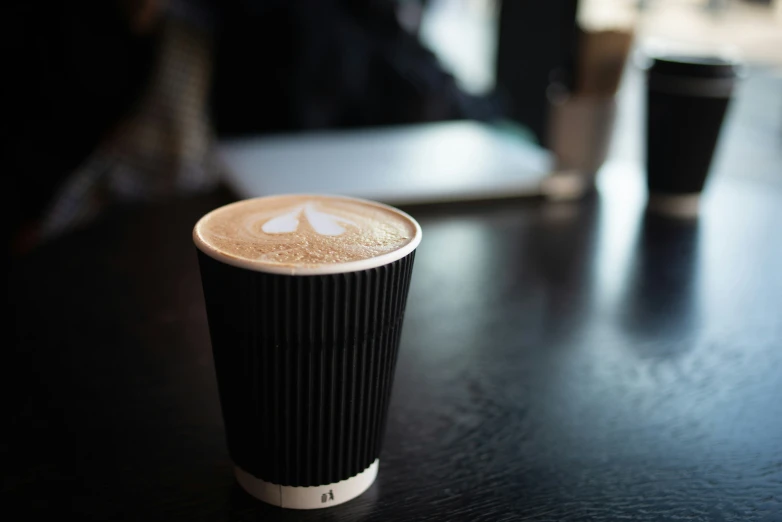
120, 100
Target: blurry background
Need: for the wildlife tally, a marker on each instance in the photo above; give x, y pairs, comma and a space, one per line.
464, 35
125, 100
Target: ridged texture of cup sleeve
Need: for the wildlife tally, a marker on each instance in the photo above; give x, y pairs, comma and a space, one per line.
305, 366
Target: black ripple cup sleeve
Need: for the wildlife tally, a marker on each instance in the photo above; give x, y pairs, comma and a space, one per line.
305, 365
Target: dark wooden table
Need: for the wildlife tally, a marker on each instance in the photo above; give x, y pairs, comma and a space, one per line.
560, 362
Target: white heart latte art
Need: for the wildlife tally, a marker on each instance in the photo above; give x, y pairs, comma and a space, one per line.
323, 223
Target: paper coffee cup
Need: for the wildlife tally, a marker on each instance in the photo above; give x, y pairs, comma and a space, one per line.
305, 297
687, 98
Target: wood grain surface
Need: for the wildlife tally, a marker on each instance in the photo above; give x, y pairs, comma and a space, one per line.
559, 362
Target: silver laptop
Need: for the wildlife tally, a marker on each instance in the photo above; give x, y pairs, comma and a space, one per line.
416, 164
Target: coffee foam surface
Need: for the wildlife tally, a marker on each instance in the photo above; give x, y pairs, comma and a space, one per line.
306, 234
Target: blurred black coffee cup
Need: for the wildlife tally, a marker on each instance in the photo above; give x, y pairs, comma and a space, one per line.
687, 97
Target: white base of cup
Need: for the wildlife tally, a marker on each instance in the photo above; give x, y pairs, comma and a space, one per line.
675, 205
307, 497
567, 185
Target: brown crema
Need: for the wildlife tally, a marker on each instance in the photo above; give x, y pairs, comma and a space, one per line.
303, 231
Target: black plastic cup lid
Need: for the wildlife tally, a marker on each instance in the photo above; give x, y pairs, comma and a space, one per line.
694, 66
690, 61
